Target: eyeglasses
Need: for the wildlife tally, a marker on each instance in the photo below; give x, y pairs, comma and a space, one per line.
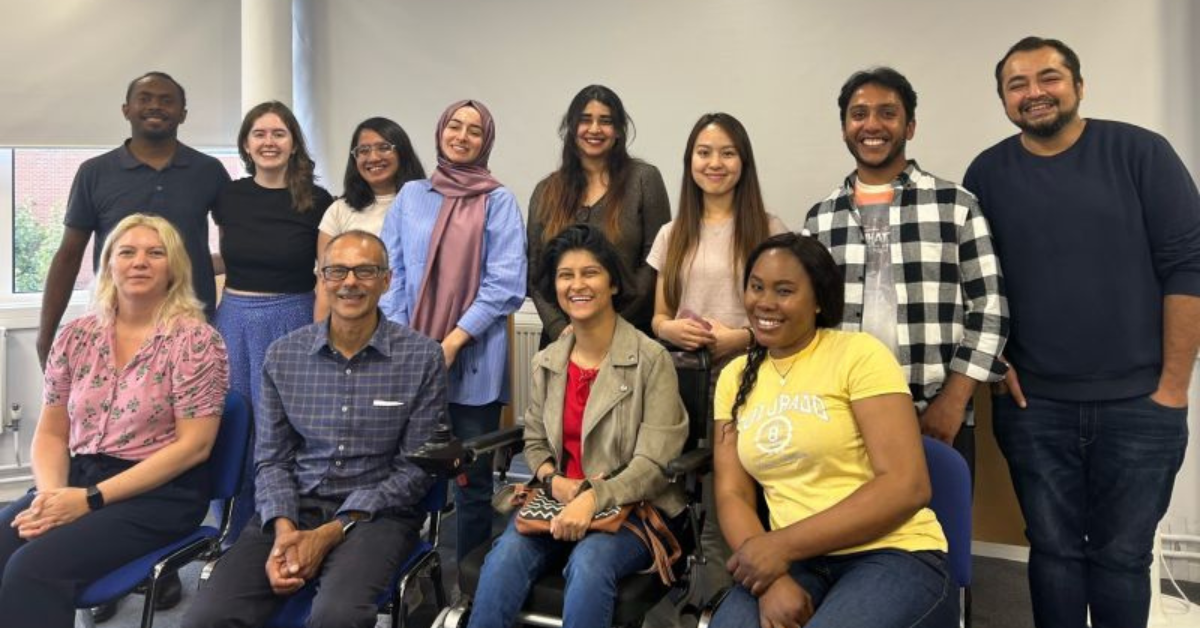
339, 273
363, 150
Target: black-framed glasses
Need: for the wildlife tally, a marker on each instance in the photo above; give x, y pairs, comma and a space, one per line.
339, 273
363, 150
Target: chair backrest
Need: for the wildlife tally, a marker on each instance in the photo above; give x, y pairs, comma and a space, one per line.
951, 502
692, 368
228, 457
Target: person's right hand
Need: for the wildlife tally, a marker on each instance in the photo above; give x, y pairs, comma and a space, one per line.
281, 582
785, 604
685, 333
564, 489
1010, 385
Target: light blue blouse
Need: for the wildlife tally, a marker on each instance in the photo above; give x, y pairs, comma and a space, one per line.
480, 372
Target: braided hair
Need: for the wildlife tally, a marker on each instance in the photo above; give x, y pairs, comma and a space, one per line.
828, 288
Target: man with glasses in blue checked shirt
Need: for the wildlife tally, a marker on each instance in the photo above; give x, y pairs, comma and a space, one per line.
343, 402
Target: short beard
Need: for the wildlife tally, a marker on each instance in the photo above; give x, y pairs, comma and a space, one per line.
1049, 129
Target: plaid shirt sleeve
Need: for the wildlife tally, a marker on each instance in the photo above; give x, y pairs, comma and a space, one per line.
407, 483
985, 324
276, 442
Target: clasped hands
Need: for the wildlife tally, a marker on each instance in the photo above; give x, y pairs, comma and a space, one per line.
572, 523
50, 509
297, 556
760, 567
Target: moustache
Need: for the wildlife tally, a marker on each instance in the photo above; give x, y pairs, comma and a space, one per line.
1044, 100
344, 292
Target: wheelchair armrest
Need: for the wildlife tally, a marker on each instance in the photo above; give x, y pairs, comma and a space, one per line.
696, 461
492, 441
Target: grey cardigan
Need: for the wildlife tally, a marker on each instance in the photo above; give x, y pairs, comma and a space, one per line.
634, 420
645, 210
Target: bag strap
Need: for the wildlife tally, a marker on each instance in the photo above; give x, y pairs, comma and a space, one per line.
652, 532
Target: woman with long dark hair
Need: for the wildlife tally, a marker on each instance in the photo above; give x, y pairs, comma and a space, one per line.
598, 183
700, 254
822, 420
381, 161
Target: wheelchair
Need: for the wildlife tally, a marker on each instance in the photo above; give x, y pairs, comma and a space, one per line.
637, 593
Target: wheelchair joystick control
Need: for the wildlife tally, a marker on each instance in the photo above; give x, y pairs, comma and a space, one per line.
442, 454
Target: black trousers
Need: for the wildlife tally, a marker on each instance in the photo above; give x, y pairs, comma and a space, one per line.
41, 577
351, 578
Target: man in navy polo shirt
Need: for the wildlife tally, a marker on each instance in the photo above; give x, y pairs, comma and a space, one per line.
152, 172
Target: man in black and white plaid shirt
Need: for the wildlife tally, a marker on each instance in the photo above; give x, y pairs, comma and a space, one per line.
917, 256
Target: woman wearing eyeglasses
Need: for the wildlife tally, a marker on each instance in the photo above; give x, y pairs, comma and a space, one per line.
457, 252
598, 183
268, 224
381, 161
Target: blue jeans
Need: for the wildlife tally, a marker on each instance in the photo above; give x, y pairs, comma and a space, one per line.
473, 500
594, 566
1093, 480
880, 588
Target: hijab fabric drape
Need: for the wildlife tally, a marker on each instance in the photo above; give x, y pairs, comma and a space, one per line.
453, 267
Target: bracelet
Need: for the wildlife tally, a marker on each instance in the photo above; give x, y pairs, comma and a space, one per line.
750, 341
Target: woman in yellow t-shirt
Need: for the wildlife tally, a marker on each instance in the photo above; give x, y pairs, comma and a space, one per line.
822, 420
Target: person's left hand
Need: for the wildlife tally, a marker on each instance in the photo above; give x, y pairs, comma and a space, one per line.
572, 523
450, 351
757, 564
303, 551
729, 341
943, 418
51, 509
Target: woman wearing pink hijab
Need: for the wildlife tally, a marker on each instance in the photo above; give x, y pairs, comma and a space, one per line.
456, 244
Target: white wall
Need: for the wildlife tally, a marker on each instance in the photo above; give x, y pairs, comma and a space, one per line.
775, 64
67, 63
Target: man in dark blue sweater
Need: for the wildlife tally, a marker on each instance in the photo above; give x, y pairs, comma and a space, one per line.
1097, 225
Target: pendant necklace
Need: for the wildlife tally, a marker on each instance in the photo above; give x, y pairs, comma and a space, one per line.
783, 375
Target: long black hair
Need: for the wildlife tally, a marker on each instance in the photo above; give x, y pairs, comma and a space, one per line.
358, 192
827, 285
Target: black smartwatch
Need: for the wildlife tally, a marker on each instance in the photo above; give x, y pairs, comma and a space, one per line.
95, 499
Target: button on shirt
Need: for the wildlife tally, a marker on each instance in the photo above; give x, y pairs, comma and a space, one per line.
339, 429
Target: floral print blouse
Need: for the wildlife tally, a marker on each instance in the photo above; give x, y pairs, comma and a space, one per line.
180, 372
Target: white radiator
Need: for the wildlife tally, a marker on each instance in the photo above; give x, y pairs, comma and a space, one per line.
527, 331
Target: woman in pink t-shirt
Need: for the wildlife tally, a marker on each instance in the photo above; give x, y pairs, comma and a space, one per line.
132, 396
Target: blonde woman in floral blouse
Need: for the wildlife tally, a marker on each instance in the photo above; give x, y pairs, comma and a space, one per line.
133, 392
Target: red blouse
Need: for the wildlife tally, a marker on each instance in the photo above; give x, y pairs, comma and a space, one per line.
579, 388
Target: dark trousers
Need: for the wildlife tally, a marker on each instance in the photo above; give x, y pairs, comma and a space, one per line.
473, 500
352, 577
42, 576
1093, 479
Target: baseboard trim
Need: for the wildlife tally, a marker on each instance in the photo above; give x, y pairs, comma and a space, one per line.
1018, 553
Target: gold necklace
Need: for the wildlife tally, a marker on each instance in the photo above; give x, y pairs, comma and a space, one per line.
783, 375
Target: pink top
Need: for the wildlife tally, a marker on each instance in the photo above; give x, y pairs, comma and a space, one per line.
179, 373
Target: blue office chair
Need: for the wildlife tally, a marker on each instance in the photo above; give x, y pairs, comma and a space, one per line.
225, 466
951, 502
424, 560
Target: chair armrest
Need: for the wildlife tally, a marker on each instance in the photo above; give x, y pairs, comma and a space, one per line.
696, 461
500, 439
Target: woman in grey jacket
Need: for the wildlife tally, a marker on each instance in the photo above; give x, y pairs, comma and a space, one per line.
603, 420
600, 184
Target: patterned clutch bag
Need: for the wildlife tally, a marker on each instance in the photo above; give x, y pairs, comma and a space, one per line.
538, 509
